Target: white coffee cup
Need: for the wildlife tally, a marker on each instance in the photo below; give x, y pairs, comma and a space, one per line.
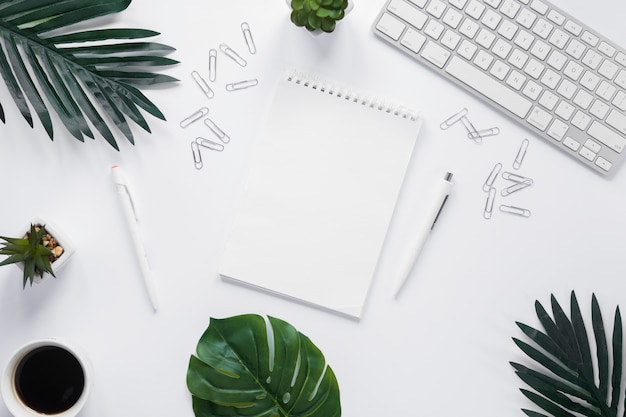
17, 394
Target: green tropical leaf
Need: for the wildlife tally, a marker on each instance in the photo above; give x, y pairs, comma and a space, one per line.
569, 380
249, 366
87, 77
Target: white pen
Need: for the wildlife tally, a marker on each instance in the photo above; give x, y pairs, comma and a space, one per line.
130, 214
439, 198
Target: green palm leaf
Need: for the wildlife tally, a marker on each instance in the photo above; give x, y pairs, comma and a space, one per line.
88, 77
568, 381
247, 366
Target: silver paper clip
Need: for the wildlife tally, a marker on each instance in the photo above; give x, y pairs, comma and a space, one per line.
489, 204
471, 130
209, 144
492, 177
516, 178
245, 28
242, 85
229, 52
202, 84
216, 130
212, 65
453, 119
520, 154
484, 133
515, 210
197, 157
514, 188
197, 115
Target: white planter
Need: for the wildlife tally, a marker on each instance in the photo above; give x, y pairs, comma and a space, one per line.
318, 32
61, 237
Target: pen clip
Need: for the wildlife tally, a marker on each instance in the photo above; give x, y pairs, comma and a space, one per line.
123, 188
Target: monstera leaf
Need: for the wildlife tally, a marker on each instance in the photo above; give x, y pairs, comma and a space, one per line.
89, 75
249, 366
568, 381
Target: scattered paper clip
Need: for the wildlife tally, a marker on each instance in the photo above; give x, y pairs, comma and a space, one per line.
229, 52
520, 154
514, 188
197, 157
245, 28
216, 130
241, 85
202, 84
212, 65
492, 177
209, 144
489, 204
516, 178
453, 119
197, 115
515, 210
484, 133
471, 130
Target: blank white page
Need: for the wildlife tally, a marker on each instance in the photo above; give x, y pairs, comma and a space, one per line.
324, 178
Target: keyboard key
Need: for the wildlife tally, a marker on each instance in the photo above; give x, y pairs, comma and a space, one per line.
589, 38
557, 60
556, 17
607, 136
467, 49
606, 90
621, 58
524, 40
550, 79
516, 80
532, 90
407, 12
565, 110
501, 48
557, 130
587, 153
434, 29
469, 28
483, 60
436, 8
581, 120
594, 146
491, 19
488, 87
592, 59
571, 143
475, 9
540, 50
507, 29
604, 164
617, 121
534, 69
390, 26
450, 40
620, 100
599, 109
607, 49
452, 18
485, 38
413, 40
559, 38
526, 18
573, 70
539, 6
539, 118
543, 28
575, 49
608, 69
500, 70
583, 99
548, 100
567, 89
518, 59
510, 8
435, 54
573, 28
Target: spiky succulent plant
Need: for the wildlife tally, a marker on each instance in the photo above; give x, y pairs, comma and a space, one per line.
318, 14
29, 250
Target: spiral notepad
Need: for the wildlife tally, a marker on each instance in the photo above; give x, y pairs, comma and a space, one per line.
325, 175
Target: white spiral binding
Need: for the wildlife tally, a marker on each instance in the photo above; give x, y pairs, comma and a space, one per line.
351, 95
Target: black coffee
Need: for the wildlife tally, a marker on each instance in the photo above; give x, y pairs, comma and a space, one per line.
49, 379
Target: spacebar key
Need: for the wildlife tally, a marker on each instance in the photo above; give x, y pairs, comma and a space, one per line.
488, 87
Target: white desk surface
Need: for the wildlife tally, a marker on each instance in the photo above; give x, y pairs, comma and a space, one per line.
441, 349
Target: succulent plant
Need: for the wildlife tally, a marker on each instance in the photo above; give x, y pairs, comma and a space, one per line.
318, 14
32, 251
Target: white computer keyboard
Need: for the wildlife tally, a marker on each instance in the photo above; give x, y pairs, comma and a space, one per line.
531, 60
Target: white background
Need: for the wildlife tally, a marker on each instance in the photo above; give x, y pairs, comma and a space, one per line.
441, 349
